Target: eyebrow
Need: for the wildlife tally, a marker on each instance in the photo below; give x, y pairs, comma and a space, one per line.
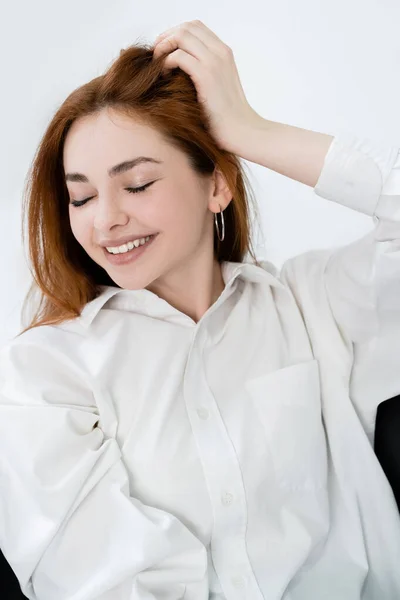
116, 170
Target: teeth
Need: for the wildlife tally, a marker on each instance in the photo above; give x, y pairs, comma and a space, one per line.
129, 246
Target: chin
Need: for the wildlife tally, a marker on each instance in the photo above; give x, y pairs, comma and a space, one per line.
131, 282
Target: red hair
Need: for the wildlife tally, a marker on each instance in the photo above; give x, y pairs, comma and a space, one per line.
64, 275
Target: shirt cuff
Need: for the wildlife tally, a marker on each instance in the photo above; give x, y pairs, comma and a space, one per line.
355, 171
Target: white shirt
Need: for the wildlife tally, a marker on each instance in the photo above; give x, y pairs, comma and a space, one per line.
145, 456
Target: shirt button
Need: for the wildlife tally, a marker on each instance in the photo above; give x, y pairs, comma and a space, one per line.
238, 581
227, 498
203, 413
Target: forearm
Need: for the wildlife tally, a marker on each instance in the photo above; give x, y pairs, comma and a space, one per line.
291, 151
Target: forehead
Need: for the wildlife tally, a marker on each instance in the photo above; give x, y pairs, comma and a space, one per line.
108, 137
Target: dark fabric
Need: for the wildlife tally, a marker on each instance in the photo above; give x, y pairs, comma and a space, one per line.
9, 586
387, 442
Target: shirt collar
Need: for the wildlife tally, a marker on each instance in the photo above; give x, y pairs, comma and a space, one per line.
145, 301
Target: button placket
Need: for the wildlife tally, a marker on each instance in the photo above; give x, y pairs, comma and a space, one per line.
222, 472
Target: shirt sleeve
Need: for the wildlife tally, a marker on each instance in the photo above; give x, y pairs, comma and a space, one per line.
362, 279
69, 527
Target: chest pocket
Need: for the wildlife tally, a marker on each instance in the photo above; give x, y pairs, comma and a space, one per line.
288, 404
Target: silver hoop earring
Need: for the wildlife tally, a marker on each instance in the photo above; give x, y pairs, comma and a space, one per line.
223, 224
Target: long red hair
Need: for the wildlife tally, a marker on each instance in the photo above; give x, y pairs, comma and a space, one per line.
65, 278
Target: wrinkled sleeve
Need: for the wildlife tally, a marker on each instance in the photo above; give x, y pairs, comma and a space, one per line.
362, 278
69, 527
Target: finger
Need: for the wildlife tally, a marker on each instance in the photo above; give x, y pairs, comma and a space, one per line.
186, 62
197, 29
202, 31
182, 39
205, 33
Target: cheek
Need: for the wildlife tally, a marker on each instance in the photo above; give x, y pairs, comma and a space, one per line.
181, 207
80, 230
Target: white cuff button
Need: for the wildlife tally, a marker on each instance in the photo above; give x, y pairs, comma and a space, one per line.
203, 413
227, 498
238, 581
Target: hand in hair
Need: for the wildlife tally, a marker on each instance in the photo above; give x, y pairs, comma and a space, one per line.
199, 52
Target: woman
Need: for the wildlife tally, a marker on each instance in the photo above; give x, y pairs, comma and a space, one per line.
176, 421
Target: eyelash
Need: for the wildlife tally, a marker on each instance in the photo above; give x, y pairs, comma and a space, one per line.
78, 203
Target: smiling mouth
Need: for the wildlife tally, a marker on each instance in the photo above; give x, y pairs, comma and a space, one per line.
121, 258
148, 239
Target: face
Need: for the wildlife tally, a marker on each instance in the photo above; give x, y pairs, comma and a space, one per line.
177, 206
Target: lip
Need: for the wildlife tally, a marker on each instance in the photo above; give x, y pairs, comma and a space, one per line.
128, 257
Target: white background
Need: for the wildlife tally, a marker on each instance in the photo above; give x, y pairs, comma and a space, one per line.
327, 66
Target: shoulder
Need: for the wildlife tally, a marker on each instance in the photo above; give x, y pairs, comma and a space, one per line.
303, 274
44, 359
51, 339
306, 268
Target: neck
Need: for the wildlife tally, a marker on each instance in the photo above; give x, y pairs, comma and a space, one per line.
193, 288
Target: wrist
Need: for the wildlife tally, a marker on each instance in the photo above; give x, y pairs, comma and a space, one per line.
250, 136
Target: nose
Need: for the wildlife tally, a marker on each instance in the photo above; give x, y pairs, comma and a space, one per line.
108, 214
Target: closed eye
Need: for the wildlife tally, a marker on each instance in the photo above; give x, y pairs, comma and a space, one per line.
137, 190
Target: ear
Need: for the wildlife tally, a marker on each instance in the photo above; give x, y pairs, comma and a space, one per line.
220, 194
